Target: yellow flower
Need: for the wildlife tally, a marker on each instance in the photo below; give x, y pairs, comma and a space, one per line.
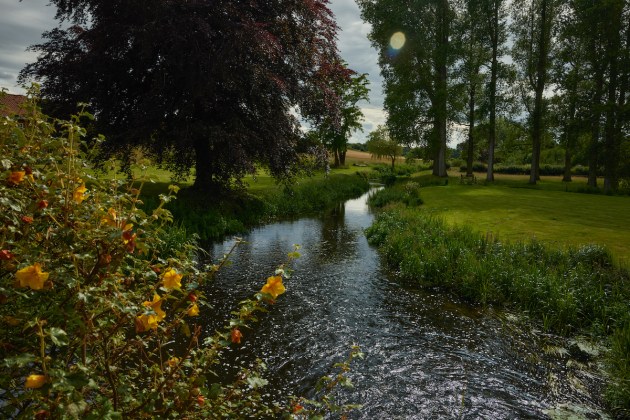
110, 218
173, 361
172, 280
146, 322
156, 305
16, 177
79, 194
274, 286
35, 381
32, 276
193, 310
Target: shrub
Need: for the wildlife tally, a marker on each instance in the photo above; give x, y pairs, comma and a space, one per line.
100, 302
477, 167
407, 193
545, 170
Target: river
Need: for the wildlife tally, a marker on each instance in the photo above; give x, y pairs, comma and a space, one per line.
426, 354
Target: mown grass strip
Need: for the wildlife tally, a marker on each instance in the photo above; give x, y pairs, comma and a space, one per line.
513, 211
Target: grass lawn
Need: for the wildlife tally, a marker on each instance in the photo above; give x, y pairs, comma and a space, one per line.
511, 211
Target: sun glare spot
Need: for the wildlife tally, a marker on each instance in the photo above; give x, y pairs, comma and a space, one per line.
397, 40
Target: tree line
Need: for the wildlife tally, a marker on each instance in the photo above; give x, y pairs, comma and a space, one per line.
558, 69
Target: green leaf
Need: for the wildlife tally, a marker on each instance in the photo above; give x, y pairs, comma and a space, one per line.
19, 361
59, 337
256, 382
77, 380
214, 391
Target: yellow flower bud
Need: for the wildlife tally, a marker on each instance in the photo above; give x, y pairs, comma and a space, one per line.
35, 381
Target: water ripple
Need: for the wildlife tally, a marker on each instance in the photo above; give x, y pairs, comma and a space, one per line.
426, 355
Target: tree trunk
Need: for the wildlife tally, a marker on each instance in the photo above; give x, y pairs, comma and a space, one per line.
442, 87
203, 165
570, 132
611, 160
623, 111
541, 75
393, 161
623, 115
471, 129
567, 164
336, 155
593, 150
342, 157
494, 70
435, 149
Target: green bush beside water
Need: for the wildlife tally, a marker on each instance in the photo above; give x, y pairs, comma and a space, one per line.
407, 193
566, 290
213, 217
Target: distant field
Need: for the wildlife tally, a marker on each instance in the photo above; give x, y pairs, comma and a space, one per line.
356, 156
512, 211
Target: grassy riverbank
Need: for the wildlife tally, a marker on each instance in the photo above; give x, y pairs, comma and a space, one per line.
567, 289
513, 210
213, 217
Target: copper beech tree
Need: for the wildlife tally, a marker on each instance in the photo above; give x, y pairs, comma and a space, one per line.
214, 85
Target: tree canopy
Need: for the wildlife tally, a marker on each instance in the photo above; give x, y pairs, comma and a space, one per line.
415, 57
446, 65
334, 134
381, 144
213, 84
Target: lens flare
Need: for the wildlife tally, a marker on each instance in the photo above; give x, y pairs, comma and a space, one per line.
397, 40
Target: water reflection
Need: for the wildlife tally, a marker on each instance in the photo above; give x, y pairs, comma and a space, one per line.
427, 356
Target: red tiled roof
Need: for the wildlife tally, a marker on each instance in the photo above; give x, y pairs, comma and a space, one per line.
12, 104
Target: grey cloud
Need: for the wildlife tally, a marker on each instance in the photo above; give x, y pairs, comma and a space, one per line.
356, 49
21, 25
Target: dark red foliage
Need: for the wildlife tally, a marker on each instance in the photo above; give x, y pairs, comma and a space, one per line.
206, 83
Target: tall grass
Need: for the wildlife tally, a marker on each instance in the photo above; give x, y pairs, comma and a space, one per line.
578, 289
408, 193
311, 196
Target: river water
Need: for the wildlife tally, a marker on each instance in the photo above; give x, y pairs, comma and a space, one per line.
426, 355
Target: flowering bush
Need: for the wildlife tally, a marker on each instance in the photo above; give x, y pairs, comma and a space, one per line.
99, 302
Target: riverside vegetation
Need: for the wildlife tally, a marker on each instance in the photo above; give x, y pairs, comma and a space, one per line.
100, 301
577, 290
212, 218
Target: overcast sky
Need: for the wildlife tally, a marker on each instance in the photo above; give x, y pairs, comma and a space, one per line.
22, 23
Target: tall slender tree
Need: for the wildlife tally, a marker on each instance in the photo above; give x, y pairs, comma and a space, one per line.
475, 52
569, 76
603, 28
495, 29
380, 144
415, 56
335, 133
204, 84
613, 14
533, 22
